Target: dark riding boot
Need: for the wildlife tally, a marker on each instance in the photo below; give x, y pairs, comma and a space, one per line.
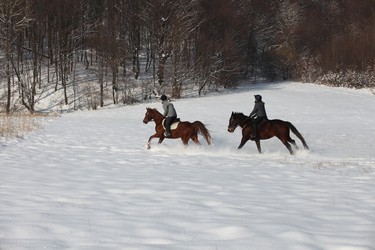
167, 134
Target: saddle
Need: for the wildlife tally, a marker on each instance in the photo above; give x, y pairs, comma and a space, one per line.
174, 123
263, 120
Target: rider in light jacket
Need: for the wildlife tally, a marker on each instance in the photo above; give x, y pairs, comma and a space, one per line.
169, 113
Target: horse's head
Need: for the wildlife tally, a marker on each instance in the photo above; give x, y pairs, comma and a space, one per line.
235, 120
148, 116
153, 114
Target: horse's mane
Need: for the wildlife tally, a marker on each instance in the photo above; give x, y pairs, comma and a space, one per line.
239, 113
155, 109
152, 108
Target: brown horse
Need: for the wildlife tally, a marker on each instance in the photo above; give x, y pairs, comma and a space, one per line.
184, 130
267, 129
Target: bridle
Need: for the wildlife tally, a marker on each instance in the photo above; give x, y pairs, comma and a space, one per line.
147, 117
243, 124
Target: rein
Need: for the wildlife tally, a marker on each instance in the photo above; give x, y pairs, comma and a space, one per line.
156, 117
245, 123
244, 126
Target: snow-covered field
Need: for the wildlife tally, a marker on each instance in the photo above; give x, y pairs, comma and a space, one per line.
86, 180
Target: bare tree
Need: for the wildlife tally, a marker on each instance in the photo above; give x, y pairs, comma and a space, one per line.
13, 18
288, 17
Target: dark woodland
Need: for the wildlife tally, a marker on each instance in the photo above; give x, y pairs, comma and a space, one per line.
126, 51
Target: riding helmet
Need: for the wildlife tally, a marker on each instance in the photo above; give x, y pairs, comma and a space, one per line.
163, 98
258, 97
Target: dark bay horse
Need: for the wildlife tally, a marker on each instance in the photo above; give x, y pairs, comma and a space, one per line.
184, 130
267, 129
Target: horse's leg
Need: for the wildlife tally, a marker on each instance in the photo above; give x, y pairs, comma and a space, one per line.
287, 145
243, 141
194, 137
293, 142
185, 141
195, 140
284, 137
152, 137
257, 142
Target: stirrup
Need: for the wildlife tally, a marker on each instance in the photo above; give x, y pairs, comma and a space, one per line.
166, 134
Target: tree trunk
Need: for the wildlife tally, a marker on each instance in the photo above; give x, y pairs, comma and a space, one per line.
162, 60
9, 84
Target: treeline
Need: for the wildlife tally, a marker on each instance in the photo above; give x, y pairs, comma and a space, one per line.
167, 46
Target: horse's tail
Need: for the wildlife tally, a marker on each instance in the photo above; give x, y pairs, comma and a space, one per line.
199, 127
298, 134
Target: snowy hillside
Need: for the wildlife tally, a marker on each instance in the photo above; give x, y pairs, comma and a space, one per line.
86, 181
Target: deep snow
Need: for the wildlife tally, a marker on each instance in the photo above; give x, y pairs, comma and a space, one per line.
86, 181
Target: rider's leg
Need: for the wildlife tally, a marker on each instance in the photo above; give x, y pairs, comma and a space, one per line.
167, 126
256, 123
168, 122
255, 131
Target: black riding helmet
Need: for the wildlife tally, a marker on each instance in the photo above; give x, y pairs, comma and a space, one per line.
258, 97
163, 98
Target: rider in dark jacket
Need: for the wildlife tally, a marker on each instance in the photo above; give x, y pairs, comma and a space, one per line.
169, 113
257, 115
